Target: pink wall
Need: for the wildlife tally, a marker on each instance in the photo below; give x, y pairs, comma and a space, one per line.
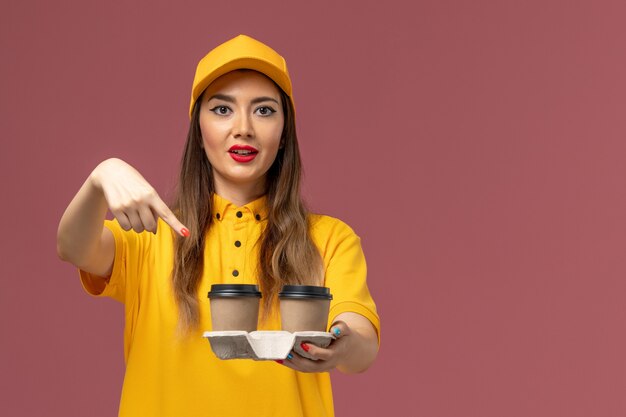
478, 148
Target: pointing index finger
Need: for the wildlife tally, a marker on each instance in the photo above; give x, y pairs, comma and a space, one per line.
164, 212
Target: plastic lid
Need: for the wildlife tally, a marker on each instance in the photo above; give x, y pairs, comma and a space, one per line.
305, 291
234, 290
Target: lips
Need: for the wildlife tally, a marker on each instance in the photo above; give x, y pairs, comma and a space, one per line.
243, 153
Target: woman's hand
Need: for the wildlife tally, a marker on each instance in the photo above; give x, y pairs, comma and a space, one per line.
354, 349
132, 200
327, 358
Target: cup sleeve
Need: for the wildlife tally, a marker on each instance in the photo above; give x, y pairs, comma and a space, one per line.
346, 276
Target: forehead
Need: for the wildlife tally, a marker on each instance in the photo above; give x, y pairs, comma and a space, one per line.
244, 82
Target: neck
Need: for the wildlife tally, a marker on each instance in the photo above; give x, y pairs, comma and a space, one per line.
239, 194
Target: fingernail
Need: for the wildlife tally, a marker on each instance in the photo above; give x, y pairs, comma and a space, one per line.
304, 346
185, 232
279, 361
290, 356
337, 331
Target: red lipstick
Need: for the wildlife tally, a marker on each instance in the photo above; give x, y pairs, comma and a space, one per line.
242, 153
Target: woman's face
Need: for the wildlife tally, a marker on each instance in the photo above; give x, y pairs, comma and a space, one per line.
241, 121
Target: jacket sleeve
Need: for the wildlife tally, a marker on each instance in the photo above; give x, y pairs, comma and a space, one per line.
131, 251
345, 271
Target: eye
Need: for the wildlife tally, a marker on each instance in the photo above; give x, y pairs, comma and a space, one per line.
220, 110
265, 111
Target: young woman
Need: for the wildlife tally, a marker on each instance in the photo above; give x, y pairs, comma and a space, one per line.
237, 218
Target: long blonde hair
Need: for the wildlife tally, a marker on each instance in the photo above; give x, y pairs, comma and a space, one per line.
287, 254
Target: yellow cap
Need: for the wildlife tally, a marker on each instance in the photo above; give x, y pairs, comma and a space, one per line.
239, 53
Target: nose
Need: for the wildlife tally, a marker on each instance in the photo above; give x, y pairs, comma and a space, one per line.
243, 126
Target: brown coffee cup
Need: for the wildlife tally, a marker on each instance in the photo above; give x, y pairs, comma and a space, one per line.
304, 308
234, 307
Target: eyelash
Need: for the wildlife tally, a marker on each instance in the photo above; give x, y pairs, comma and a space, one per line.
271, 110
214, 110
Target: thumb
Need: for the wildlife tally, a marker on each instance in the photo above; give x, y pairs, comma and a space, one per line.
339, 329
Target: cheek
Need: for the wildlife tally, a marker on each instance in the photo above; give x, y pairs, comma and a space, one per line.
274, 145
209, 135
210, 145
276, 133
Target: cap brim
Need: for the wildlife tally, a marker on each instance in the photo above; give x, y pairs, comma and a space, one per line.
252, 63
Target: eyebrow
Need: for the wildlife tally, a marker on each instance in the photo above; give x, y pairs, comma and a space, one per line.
231, 99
